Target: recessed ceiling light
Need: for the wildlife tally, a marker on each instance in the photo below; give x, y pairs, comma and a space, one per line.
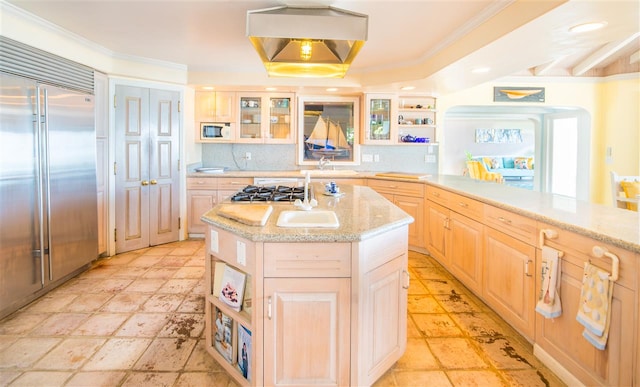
271, 88
332, 89
207, 88
481, 70
405, 88
586, 27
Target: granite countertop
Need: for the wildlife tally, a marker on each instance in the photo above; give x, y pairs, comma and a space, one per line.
616, 226
362, 214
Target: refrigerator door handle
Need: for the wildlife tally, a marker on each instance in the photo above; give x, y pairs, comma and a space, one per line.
41, 250
47, 178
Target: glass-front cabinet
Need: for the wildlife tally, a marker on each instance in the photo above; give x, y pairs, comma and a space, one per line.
266, 118
380, 125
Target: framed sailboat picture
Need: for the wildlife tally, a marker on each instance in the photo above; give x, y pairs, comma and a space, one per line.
328, 130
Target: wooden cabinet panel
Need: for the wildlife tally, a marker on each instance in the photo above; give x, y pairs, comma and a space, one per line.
306, 332
198, 202
234, 184
468, 207
466, 257
518, 226
437, 237
307, 259
397, 187
202, 183
509, 282
438, 195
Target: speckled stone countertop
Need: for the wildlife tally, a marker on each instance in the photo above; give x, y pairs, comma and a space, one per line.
604, 223
362, 214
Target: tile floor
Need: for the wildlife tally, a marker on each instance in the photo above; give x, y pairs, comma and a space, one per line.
136, 319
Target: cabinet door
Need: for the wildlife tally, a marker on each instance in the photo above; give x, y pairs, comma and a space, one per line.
414, 207
382, 328
465, 257
280, 125
198, 202
380, 119
266, 118
509, 285
306, 331
438, 236
212, 106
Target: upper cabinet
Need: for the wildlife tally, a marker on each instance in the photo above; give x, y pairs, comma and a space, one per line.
392, 119
215, 106
265, 118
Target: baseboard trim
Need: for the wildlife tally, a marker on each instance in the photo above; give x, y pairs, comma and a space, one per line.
556, 367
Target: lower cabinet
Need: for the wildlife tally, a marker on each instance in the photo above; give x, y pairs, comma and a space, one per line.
466, 258
201, 197
509, 280
306, 331
562, 339
437, 233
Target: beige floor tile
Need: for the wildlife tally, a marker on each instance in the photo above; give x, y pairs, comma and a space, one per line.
412, 329
201, 360
6, 341
197, 261
42, 378
26, 351
421, 379
456, 353
475, 379
505, 353
150, 379
167, 354
189, 272
7, 376
417, 357
112, 285
423, 304
21, 322
163, 303
88, 302
117, 354
159, 250
443, 286
161, 272
193, 303
145, 285
101, 271
172, 261
130, 272
143, 325
96, 379
146, 260
52, 302
120, 259
479, 324
183, 325
532, 378
70, 354
436, 325
101, 324
126, 302
185, 250
417, 287
79, 285
431, 273
178, 286
455, 302
209, 379
60, 324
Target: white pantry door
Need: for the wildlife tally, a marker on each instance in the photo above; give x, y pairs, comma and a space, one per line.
147, 162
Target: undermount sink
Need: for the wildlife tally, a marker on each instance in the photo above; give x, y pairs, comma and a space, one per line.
329, 172
307, 219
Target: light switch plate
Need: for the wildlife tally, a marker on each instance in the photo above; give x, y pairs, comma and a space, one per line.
214, 242
241, 253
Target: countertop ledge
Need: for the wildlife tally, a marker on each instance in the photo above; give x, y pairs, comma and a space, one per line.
615, 226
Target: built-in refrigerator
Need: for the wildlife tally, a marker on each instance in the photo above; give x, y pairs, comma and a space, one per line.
48, 203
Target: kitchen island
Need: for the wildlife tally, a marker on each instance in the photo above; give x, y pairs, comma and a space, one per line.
321, 305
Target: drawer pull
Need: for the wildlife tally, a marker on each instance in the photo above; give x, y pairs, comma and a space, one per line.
462, 204
407, 282
504, 220
436, 194
269, 307
599, 252
200, 182
526, 268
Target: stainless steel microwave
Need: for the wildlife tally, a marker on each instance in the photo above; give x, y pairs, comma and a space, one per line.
216, 131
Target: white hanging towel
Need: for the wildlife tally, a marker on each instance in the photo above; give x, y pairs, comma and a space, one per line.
594, 311
549, 304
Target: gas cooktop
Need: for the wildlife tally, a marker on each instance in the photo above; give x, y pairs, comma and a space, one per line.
281, 193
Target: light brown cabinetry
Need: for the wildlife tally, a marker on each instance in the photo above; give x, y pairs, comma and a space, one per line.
410, 198
214, 106
561, 338
381, 121
202, 195
266, 118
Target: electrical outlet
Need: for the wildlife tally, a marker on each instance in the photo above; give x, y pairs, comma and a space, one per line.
376, 158
429, 158
247, 156
367, 158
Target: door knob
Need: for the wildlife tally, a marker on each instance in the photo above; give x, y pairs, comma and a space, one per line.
153, 182
144, 182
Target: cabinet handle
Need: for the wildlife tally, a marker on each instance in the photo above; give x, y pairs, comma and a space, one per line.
462, 204
526, 268
436, 194
504, 220
269, 307
446, 223
407, 282
600, 252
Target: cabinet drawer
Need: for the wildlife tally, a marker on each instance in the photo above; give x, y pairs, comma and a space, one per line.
517, 226
466, 206
397, 187
234, 183
307, 259
202, 183
578, 249
438, 195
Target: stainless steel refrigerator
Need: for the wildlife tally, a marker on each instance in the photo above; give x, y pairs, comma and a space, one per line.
48, 202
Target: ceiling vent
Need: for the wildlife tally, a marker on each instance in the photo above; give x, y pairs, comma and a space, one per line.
307, 41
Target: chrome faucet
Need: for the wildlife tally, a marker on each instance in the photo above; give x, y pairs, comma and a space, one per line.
322, 162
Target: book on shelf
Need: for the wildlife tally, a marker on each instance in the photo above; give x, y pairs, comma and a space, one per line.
217, 277
244, 351
246, 302
223, 334
232, 290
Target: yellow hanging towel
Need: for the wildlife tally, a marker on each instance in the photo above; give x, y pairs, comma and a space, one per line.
594, 311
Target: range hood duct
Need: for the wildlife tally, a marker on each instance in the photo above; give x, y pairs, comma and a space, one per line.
330, 38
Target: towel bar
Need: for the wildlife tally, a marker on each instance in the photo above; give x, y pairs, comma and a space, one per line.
599, 252
550, 234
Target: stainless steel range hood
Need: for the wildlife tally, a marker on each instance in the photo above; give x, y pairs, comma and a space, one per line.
306, 41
